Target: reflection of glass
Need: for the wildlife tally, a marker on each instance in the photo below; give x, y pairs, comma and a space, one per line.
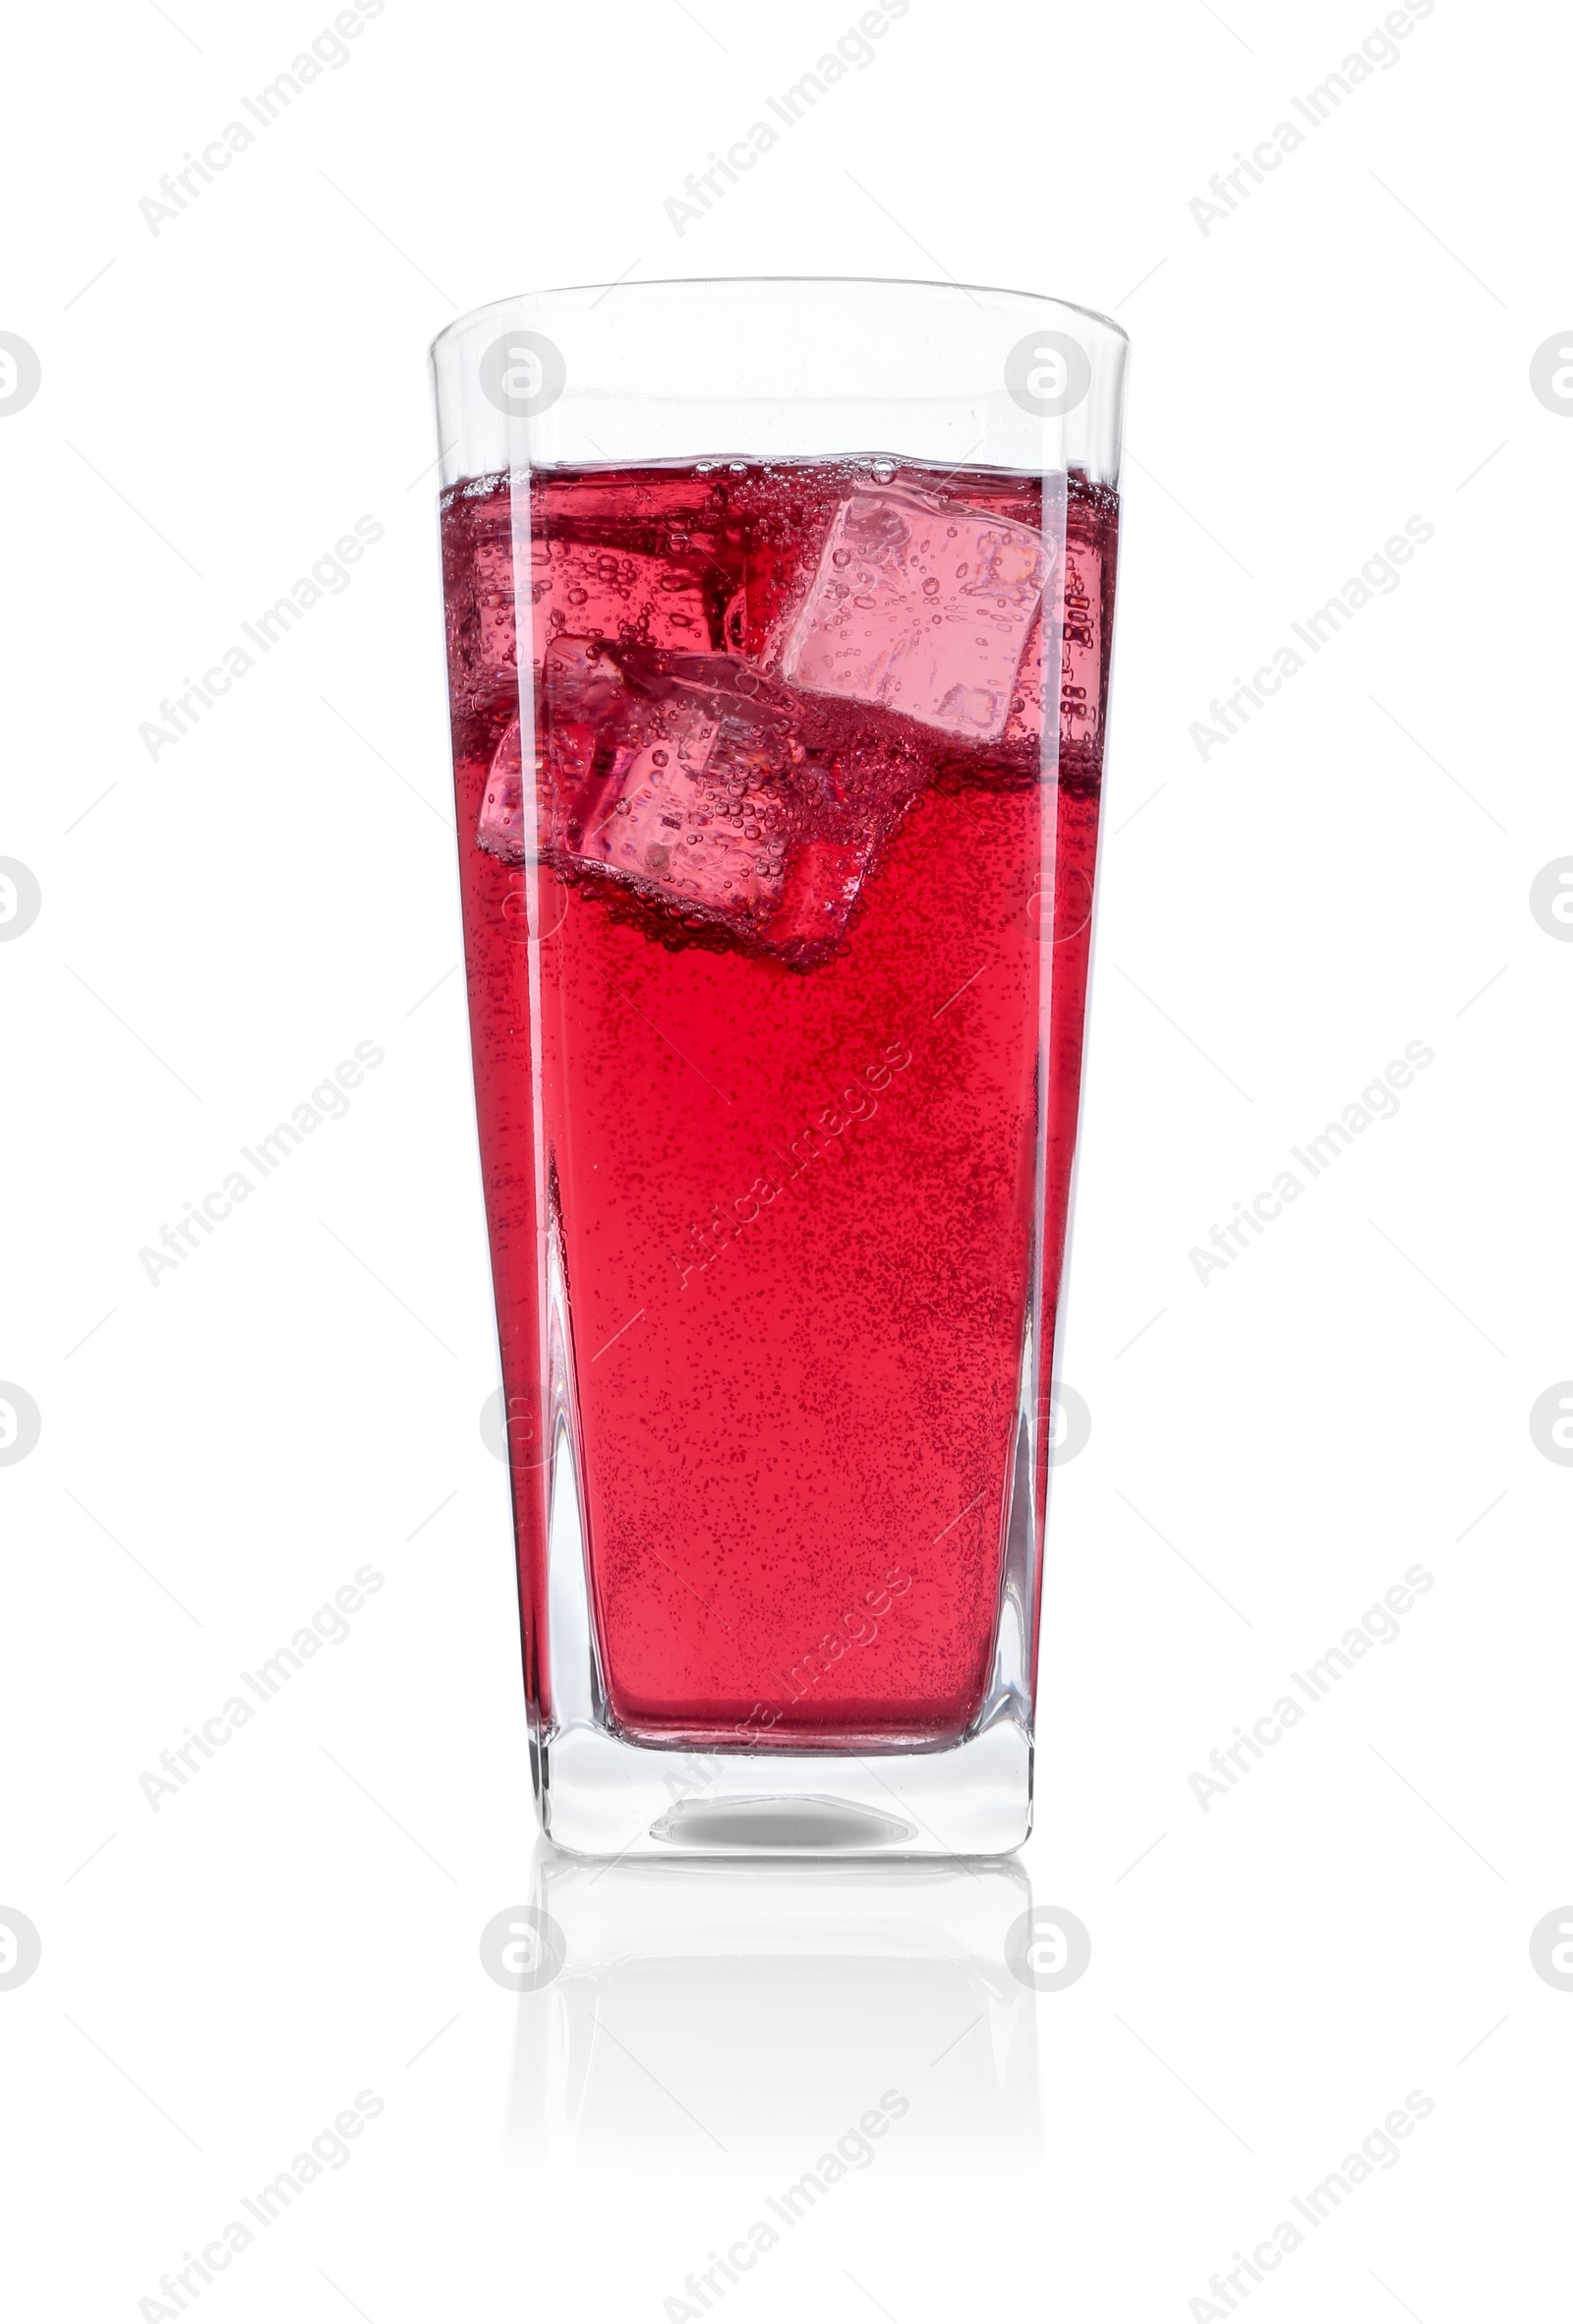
820, 2044
779, 620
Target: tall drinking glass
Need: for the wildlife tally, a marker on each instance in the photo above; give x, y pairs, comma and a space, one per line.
778, 626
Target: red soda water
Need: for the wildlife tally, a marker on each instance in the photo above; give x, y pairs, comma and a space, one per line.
776, 935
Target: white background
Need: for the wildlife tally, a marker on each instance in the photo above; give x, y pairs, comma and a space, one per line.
219, 1453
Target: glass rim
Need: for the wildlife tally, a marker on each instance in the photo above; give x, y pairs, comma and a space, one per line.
696, 282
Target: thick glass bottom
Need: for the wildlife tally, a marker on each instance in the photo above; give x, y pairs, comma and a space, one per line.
600, 1796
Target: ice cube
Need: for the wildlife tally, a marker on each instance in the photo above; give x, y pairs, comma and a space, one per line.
567, 589
1076, 594
481, 644
823, 878
500, 829
582, 683
922, 610
691, 798
494, 604
711, 793
621, 593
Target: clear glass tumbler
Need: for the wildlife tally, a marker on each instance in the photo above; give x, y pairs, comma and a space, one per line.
778, 623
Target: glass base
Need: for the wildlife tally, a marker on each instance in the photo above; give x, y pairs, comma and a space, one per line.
600, 1796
